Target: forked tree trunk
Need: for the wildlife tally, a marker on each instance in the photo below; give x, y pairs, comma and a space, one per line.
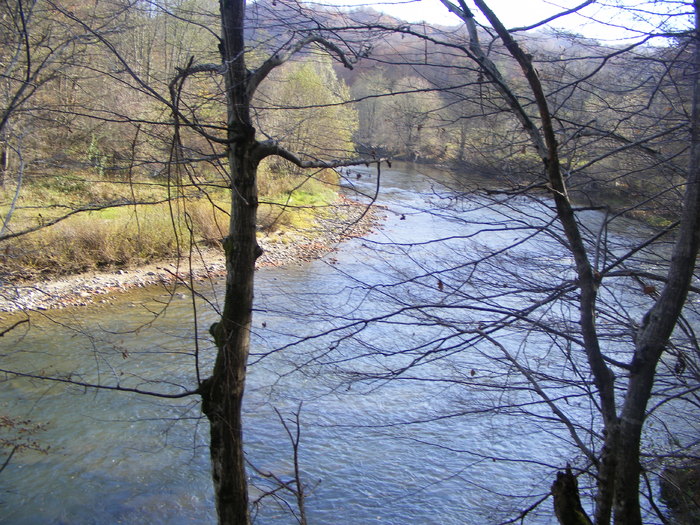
619, 466
222, 393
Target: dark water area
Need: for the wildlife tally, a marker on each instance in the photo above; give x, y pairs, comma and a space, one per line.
372, 451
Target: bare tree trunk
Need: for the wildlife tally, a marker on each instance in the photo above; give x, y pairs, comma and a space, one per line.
4, 154
607, 468
660, 320
544, 139
222, 393
619, 465
4, 161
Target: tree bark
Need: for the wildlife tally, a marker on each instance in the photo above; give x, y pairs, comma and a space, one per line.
222, 393
659, 322
4, 161
619, 465
567, 502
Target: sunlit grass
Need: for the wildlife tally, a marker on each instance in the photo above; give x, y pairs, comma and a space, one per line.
126, 234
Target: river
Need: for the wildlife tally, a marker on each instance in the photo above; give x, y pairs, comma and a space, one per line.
429, 448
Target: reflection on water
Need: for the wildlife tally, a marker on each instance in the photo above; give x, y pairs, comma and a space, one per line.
126, 458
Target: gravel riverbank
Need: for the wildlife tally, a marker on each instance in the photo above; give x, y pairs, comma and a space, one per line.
278, 249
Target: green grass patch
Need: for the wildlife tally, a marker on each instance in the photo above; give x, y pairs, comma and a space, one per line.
129, 235
299, 202
117, 237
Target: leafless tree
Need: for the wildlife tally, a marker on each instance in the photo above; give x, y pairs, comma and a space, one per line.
589, 318
563, 322
235, 141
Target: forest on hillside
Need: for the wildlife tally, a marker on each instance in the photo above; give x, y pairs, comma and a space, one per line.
91, 112
543, 279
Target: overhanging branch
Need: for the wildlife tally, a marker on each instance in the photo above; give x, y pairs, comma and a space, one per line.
271, 147
118, 388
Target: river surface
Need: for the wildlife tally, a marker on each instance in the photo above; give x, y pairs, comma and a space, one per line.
415, 450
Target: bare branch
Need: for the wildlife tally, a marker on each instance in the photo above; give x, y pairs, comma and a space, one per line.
279, 58
8, 459
553, 17
82, 209
540, 391
95, 386
14, 325
272, 147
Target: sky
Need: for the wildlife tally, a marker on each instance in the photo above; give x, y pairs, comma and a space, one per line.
433, 11
514, 13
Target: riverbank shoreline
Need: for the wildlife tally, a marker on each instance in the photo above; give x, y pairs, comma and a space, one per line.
349, 220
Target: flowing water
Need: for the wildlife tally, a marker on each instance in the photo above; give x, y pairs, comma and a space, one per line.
127, 458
